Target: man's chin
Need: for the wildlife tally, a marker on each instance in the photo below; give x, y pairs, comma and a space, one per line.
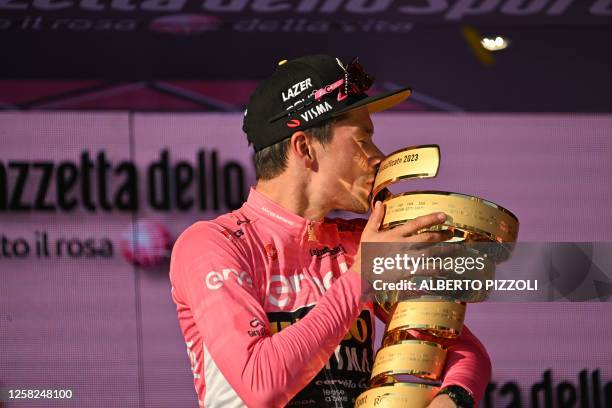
360, 205
360, 210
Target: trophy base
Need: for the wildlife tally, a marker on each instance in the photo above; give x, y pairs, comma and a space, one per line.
397, 395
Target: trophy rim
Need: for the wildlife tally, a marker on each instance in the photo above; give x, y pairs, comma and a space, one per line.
415, 341
424, 375
380, 187
466, 230
403, 384
430, 328
411, 148
461, 195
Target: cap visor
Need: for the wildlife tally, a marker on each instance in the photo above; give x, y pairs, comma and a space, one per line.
379, 103
383, 102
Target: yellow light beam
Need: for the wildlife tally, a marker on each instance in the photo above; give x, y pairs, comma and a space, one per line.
472, 37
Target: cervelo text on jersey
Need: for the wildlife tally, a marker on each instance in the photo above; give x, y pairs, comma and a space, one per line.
214, 280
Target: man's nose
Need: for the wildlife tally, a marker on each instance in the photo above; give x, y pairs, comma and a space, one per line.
376, 157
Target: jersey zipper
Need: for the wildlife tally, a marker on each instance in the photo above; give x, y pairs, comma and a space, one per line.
312, 237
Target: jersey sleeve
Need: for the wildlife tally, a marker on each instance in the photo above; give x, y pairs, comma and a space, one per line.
468, 365
467, 362
216, 279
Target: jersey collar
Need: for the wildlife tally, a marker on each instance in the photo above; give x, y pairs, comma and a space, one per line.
268, 209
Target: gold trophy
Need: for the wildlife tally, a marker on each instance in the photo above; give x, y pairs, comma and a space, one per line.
406, 370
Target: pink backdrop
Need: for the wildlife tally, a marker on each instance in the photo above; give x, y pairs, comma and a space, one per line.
108, 330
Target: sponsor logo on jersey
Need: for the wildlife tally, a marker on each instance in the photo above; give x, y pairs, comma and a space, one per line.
229, 234
258, 328
271, 251
214, 280
347, 372
276, 216
321, 252
284, 288
245, 221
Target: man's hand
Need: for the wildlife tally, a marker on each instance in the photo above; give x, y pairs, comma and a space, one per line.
442, 401
405, 233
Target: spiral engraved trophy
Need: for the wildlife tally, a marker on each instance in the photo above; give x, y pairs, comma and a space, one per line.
406, 370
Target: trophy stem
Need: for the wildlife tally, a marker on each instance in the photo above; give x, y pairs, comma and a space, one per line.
407, 368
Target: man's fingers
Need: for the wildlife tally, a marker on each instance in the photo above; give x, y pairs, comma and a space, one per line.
419, 223
430, 237
376, 217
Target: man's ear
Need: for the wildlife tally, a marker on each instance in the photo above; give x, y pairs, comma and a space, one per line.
301, 146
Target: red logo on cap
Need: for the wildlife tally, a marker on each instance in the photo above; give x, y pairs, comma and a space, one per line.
293, 123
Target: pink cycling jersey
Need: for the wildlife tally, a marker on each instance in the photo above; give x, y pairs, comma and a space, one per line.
273, 316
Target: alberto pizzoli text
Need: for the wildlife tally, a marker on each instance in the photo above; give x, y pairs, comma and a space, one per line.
457, 284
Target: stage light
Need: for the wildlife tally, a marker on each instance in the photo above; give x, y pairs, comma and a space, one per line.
494, 44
